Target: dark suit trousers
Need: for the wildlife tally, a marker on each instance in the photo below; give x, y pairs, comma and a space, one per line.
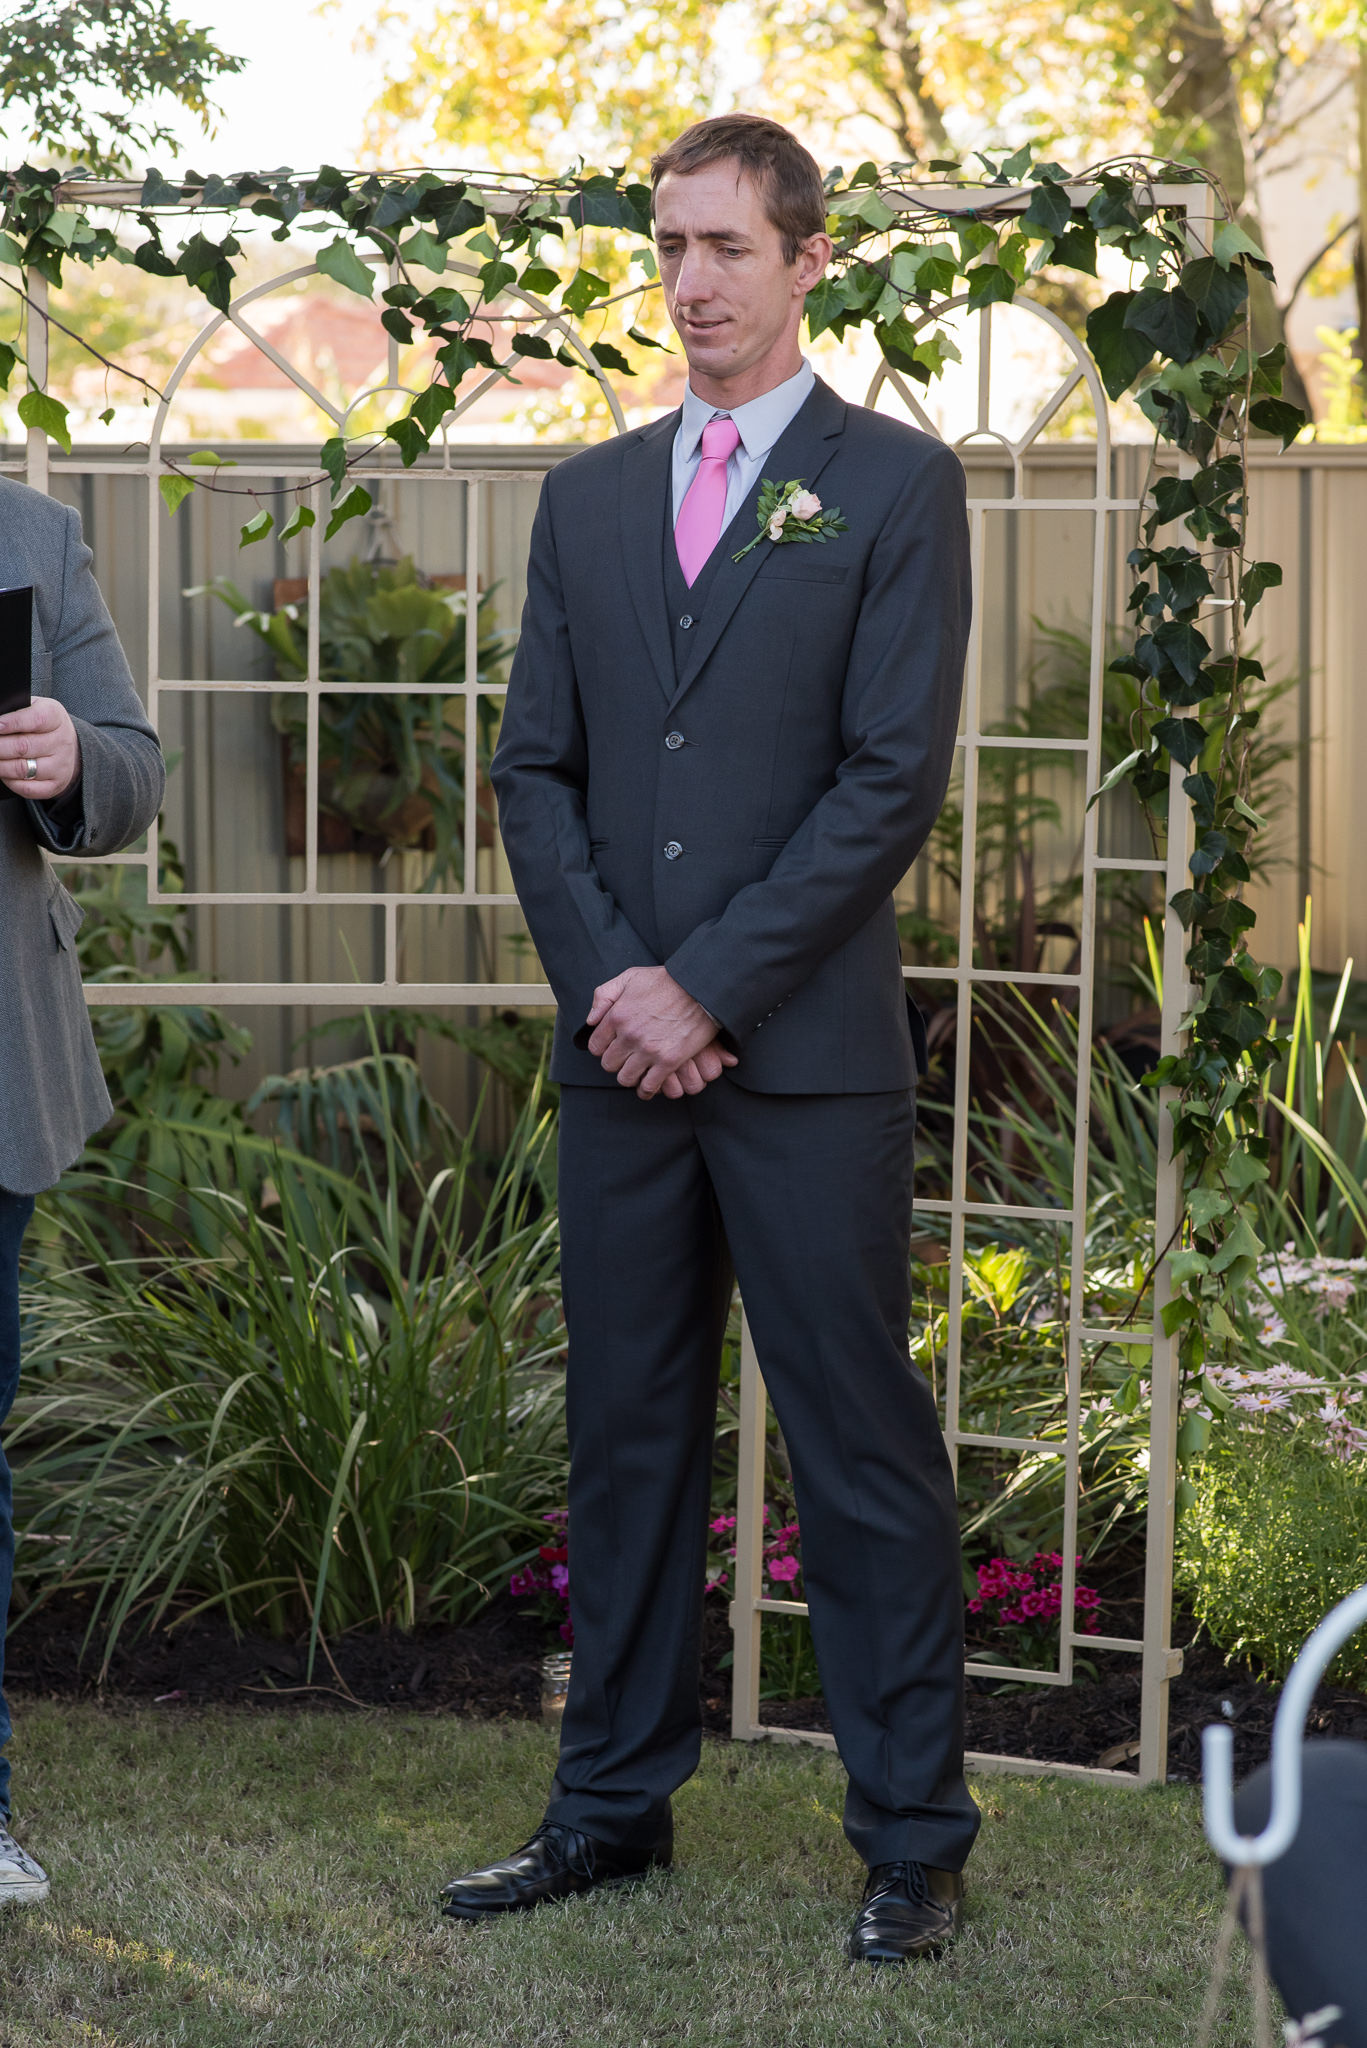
810, 1195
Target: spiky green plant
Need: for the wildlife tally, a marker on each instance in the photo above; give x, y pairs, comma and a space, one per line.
351, 1413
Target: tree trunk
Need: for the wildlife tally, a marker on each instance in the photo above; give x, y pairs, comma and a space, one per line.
1197, 101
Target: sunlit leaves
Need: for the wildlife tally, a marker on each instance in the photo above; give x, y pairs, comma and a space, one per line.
38, 409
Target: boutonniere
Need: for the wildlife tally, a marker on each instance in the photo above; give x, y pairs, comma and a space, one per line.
787, 512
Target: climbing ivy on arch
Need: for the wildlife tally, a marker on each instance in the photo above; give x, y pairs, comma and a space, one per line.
1177, 335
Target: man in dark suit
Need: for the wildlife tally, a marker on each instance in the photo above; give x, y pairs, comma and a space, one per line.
714, 768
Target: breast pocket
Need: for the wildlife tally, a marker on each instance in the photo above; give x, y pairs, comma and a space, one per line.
40, 672
792, 564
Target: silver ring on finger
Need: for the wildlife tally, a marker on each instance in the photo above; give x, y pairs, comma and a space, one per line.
30, 770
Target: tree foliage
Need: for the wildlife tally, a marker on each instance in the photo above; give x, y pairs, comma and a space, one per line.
76, 80
1231, 86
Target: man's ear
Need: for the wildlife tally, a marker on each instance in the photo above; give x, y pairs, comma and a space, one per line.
812, 259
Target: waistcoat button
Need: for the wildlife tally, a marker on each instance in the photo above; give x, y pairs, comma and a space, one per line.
686, 621
673, 850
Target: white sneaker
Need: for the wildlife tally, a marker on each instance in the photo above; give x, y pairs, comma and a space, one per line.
21, 1878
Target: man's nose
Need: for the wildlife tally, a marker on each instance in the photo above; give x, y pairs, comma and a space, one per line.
692, 285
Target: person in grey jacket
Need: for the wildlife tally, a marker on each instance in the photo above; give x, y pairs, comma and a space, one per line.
81, 772
727, 736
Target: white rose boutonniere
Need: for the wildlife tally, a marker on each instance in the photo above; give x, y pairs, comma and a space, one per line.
788, 512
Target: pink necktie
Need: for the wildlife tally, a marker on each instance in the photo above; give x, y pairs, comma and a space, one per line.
698, 527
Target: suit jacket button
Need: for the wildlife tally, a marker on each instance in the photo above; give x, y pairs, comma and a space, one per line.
686, 621
673, 850
675, 740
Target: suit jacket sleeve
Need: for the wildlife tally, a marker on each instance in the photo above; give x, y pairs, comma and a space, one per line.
540, 774
900, 710
123, 775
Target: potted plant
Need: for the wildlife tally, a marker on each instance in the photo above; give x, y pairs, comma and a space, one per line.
391, 766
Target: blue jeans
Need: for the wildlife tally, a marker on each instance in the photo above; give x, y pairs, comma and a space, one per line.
15, 1211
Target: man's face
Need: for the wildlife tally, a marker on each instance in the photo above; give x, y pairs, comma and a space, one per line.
735, 302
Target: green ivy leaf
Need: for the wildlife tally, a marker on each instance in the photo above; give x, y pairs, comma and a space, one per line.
1120, 353
340, 262
175, 490
41, 410
408, 438
648, 340
581, 291
256, 528
303, 516
8, 359
423, 248
1167, 320
538, 278
1183, 646
1049, 210
494, 276
1116, 776
609, 358
826, 304
332, 456
1257, 577
1230, 242
1183, 738
1217, 293
1242, 1242
356, 501
532, 345
1277, 416
11, 252
989, 284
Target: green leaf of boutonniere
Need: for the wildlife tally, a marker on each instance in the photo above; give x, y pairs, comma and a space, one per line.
791, 512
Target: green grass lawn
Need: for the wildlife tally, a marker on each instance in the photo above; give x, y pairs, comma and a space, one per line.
236, 1879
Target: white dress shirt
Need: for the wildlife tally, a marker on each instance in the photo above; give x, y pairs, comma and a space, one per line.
760, 422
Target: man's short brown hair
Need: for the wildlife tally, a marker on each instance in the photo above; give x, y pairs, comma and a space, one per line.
782, 171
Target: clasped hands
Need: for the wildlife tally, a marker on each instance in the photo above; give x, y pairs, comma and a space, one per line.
44, 734
653, 1036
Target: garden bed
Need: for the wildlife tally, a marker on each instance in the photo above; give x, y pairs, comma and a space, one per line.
490, 1671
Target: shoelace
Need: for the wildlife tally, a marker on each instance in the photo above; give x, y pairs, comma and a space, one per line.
10, 1852
889, 1875
576, 1851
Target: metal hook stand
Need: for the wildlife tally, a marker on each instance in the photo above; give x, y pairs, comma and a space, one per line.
1288, 1730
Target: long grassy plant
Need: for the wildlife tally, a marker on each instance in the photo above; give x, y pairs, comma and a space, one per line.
350, 1413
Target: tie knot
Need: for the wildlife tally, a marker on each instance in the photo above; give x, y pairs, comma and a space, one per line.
719, 439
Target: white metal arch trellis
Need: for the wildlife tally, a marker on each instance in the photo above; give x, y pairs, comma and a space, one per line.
1158, 1661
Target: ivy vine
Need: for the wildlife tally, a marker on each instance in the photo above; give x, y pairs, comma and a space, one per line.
1178, 336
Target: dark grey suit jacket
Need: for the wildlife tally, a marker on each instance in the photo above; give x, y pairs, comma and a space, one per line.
818, 703
52, 1093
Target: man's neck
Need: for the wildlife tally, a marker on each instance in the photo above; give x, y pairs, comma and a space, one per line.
726, 393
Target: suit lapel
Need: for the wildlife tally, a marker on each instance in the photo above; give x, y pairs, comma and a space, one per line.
802, 450
646, 477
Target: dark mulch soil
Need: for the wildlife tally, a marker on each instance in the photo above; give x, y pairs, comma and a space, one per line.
492, 1670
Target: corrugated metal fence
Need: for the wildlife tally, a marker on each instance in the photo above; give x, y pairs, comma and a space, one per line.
227, 798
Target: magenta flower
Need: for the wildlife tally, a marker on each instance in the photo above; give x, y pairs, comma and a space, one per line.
784, 1568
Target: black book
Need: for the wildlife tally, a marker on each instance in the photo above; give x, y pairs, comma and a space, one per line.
16, 656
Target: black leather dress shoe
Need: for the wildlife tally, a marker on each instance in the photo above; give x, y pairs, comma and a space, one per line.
555, 1864
907, 1911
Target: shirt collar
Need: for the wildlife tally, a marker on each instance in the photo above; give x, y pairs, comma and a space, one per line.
760, 420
